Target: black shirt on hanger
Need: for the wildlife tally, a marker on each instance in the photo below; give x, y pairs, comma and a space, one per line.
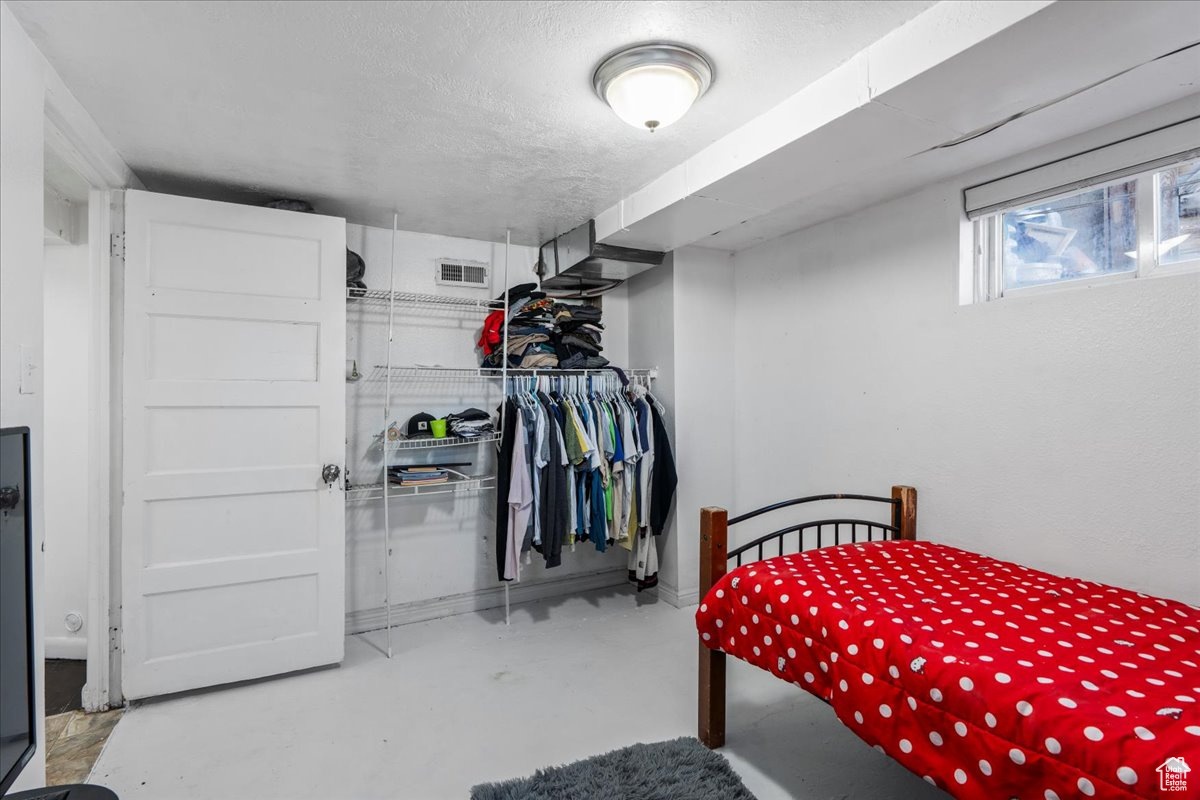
504, 481
554, 509
663, 478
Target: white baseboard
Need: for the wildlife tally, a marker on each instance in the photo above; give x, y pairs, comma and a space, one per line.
680, 600
70, 647
370, 619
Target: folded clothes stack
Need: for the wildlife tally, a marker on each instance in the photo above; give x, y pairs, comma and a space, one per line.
542, 333
417, 476
470, 424
579, 329
531, 332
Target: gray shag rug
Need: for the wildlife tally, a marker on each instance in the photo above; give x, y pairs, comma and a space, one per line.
681, 769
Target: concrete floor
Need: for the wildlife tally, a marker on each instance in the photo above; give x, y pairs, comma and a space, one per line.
467, 700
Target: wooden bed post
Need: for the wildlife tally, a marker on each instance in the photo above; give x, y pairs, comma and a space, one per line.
713, 548
904, 515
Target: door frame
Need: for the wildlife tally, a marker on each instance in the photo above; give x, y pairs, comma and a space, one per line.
72, 135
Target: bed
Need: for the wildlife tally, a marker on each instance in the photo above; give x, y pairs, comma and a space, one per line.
986, 678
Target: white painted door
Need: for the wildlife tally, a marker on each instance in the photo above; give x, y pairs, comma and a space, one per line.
233, 547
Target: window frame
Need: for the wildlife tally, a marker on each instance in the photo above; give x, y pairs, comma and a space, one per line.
987, 232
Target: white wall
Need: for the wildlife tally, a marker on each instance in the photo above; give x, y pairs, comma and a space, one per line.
652, 343
1061, 430
705, 417
681, 319
22, 88
67, 319
443, 547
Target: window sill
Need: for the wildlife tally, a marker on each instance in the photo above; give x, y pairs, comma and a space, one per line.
1185, 268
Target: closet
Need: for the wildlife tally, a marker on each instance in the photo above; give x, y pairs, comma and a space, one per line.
244, 436
413, 353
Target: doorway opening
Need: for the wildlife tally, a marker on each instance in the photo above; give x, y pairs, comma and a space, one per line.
72, 243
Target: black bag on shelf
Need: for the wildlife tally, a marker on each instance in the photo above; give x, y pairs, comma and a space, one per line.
355, 268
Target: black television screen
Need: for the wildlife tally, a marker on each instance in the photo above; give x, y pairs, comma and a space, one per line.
17, 722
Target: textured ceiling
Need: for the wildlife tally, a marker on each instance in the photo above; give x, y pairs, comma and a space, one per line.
465, 117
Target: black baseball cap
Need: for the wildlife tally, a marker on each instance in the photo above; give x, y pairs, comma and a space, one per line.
418, 426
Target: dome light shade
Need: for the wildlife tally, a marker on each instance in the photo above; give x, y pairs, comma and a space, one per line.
652, 85
652, 96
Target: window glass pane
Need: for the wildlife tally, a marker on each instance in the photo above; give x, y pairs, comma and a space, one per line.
1179, 214
1082, 236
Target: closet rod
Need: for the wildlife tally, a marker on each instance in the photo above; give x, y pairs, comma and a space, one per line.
495, 372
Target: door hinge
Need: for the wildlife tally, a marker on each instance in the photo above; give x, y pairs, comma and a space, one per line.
116, 245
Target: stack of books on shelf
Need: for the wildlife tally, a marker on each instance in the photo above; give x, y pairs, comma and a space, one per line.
418, 476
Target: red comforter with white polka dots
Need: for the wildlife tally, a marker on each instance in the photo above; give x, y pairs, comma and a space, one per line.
987, 678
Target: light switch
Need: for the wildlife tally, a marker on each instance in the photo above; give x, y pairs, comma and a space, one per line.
30, 374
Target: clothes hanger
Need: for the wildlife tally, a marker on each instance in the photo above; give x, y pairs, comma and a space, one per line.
661, 408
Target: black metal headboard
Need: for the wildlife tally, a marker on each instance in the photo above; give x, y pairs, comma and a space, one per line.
886, 531
714, 563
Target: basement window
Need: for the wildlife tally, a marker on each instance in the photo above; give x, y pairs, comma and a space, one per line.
1083, 235
1178, 195
1089, 219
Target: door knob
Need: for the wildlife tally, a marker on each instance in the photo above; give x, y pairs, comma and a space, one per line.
10, 496
330, 474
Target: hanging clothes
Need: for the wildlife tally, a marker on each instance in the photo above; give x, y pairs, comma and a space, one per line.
520, 503
555, 513
541, 459
664, 479
644, 571
655, 491
582, 459
503, 485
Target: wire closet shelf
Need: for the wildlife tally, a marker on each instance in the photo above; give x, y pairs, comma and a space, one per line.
383, 298
493, 373
391, 300
459, 484
448, 441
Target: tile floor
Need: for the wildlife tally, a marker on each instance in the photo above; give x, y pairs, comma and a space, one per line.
467, 700
73, 743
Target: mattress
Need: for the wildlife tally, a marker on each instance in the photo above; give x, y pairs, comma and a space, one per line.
988, 679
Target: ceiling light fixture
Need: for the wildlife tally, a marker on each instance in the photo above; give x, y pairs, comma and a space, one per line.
652, 85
